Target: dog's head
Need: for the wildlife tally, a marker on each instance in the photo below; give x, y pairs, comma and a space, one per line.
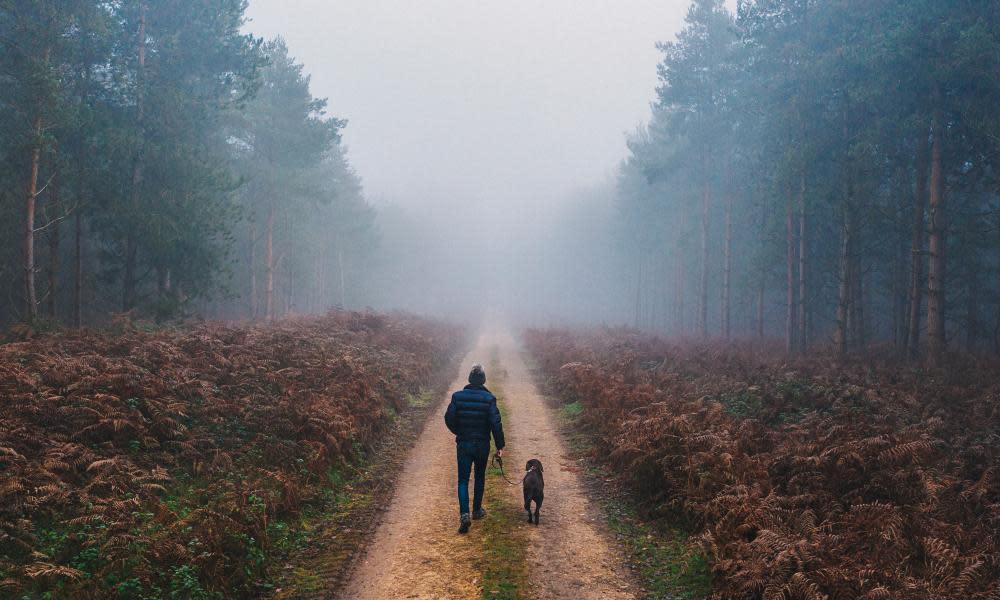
537, 464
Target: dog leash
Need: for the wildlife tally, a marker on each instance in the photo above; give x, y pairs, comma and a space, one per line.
498, 462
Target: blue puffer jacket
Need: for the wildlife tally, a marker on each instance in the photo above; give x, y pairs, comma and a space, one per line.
473, 415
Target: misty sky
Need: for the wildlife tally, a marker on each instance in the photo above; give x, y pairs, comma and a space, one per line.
479, 104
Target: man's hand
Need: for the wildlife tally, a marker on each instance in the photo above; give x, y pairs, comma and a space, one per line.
500, 453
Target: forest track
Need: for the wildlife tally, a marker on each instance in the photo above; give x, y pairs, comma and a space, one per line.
416, 552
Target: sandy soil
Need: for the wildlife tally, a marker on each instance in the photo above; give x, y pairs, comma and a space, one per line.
416, 552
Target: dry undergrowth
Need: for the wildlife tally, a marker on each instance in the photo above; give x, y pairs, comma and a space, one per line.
170, 463
805, 479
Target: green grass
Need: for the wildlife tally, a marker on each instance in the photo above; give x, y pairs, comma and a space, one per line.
421, 400
504, 572
670, 566
504, 569
305, 580
572, 410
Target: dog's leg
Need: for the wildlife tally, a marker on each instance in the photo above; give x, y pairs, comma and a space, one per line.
527, 506
538, 507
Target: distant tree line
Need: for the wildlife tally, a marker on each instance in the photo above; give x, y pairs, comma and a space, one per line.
823, 169
157, 161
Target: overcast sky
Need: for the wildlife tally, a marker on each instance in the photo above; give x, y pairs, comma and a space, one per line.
474, 102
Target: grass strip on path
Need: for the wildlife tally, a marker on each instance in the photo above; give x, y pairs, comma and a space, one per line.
504, 541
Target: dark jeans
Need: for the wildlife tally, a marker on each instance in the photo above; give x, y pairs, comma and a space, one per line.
469, 454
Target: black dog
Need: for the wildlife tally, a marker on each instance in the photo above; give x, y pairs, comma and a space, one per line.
534, 487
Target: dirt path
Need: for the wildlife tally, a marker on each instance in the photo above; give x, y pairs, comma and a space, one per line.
417, 554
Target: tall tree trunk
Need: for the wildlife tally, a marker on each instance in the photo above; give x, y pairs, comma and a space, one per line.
899, 267
727, 283
679, 308
844, 293
343, 286
803, 316
935, 272
762, 275
316, 303
129, 282
862, 297
253, 268
706, 203
681, 277
972, 311
899, 293
269, 286
54, 243
666, 302
129, 278
917, 247
760, 309
30, 294
844, 290
996, 326
162, 283
84, 95
289, 295
790, 313
78, 270
638, 291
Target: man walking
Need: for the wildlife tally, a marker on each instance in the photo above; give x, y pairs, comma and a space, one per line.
472, 416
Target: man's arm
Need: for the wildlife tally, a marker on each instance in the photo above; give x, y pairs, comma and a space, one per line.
451, 417
495, 425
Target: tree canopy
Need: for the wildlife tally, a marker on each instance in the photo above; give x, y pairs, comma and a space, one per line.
854, 148
183, 156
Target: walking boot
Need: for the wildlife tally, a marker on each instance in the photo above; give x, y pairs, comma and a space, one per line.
479, 514
466, 523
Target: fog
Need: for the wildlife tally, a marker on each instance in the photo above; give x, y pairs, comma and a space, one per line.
475, 127
815, 170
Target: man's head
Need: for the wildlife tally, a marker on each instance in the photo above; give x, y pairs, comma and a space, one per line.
477, 376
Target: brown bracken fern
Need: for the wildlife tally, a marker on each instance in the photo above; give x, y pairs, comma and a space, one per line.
802, 479
131, 461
